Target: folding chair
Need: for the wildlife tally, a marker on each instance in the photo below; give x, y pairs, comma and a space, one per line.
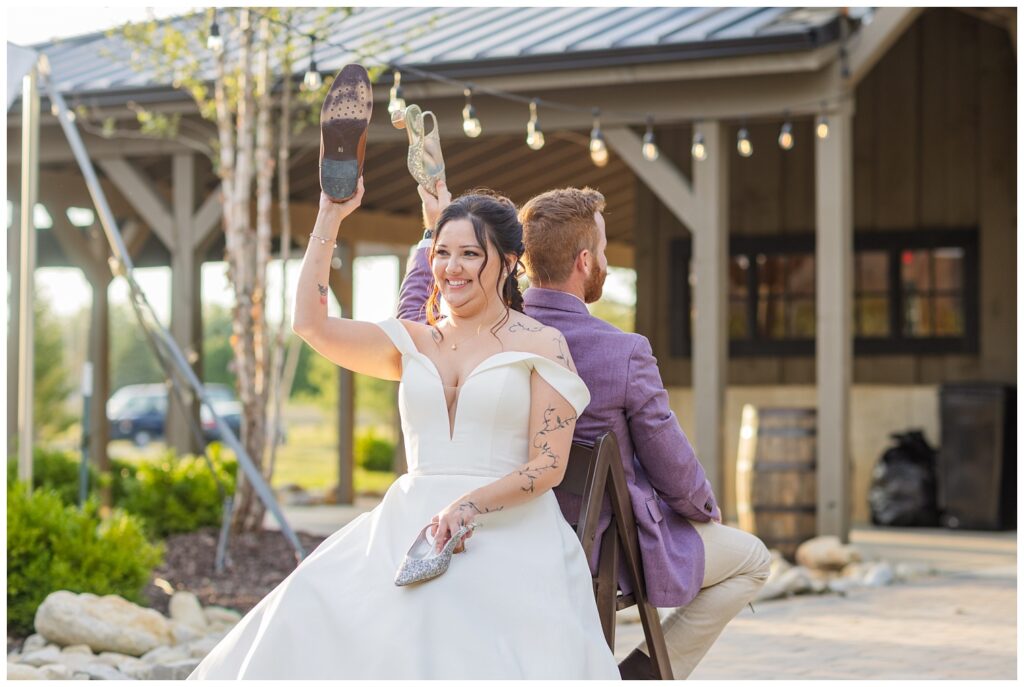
595, 474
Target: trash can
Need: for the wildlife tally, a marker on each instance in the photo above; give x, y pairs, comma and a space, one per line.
977, 465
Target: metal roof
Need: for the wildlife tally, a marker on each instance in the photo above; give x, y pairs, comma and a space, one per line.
471, 42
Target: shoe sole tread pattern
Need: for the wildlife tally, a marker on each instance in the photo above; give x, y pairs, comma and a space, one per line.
344, 120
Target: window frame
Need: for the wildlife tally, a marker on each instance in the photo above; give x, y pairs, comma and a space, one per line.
893, 243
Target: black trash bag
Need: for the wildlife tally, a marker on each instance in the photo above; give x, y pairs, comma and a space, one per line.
903, 488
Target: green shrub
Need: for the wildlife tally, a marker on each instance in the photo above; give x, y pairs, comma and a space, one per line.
374, 453
53, 546
174, 495
54, 470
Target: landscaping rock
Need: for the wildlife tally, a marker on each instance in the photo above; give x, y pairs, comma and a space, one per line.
185, 608
203, 646
57, 671
77, 649
107, 623
33, 643
40, 657
826, 553
120, 661
165, 654
879, 575
22, 671
183, 633
179, 670
217, 615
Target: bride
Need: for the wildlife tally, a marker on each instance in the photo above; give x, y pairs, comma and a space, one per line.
489, 399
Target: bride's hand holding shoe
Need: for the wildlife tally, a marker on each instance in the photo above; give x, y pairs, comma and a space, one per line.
450, 520
433, 206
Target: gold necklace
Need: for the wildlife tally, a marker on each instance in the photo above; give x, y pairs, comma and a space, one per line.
455, 344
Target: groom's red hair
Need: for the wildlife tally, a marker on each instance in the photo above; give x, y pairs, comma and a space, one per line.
557, 225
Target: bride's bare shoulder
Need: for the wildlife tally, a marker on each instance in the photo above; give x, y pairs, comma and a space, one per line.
531, 336
422, 334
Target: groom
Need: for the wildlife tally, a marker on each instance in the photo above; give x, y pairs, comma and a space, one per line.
704, 570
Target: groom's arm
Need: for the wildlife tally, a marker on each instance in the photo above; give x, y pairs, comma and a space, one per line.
660, 444
412, 299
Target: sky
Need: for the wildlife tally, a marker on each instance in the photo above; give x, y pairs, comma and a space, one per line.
375, 289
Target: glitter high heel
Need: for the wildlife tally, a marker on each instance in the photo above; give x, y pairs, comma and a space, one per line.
423, 563
425, 161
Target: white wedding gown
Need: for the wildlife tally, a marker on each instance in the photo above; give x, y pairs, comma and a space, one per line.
518, 604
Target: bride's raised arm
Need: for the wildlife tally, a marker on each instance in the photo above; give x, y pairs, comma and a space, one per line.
358, 346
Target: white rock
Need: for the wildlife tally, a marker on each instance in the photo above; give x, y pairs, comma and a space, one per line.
21, 671
33, 643
57, 671
795, 580
826, 553
179, 670
77, 649
165, 654
879, 575
109, 623
101, 671
80, 676
185, 608
138, 672
202, 646
40, 657
183, 633
842, 585
119, 661
910, 571
221, 615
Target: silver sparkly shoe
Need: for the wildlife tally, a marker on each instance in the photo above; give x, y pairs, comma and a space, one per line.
423, 563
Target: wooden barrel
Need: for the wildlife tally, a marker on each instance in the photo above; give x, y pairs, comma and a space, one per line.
776, 480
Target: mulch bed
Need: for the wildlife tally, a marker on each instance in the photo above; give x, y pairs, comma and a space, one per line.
259, 561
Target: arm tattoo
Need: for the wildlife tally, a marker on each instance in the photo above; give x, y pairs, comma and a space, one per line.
323, 293
552, 423
563, 355
436, 335
469, 505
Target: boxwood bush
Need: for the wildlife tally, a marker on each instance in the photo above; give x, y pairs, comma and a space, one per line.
53, 546
373, 453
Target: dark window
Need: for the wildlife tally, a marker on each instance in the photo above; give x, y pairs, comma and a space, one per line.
914, 292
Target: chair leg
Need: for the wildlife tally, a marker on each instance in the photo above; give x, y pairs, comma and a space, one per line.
656, 646
607, 584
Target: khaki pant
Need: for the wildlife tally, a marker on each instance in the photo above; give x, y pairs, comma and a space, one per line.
736, 565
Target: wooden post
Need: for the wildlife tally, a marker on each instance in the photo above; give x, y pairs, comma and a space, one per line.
99, 354
26, 308
710, 340
341, 284
400, 465
834, 342
186, 304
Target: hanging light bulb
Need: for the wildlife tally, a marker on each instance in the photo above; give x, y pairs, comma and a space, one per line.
649, 148
470, 124
312, 81
534, 135
786, 135
698, 150
214, 42
598, 148
397, 102
743, 144
822, 129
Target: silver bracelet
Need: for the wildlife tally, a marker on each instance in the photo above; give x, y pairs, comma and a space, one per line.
323, 241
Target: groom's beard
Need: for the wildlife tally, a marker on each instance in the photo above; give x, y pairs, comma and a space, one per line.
594, 285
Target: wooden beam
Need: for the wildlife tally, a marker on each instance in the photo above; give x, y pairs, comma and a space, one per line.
661, 176
138, 191
710, 337
834, 340
621, 254
872, 41
206, 219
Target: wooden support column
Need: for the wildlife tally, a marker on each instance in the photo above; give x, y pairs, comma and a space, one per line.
27, 271
186, 303
710, 340
834, 342
341, 285
99, 354
401, 465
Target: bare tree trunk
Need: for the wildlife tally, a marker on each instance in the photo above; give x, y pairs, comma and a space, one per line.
242, 269
280, 390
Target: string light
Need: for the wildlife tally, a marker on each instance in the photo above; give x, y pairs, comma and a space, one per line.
598, 148
397, 102
822, 129
534, 135
743, 145
214, 42
698, 150
786, 135
312, 81
649, 148
470, 124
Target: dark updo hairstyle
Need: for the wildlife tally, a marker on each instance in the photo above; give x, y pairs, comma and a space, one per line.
495, 222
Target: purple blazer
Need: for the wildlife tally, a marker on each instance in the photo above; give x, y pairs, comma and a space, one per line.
667, 484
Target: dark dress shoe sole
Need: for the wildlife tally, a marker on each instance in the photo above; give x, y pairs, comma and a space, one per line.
344, 120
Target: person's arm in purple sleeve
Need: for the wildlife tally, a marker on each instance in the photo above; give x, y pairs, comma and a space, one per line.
412, 298
660, 444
